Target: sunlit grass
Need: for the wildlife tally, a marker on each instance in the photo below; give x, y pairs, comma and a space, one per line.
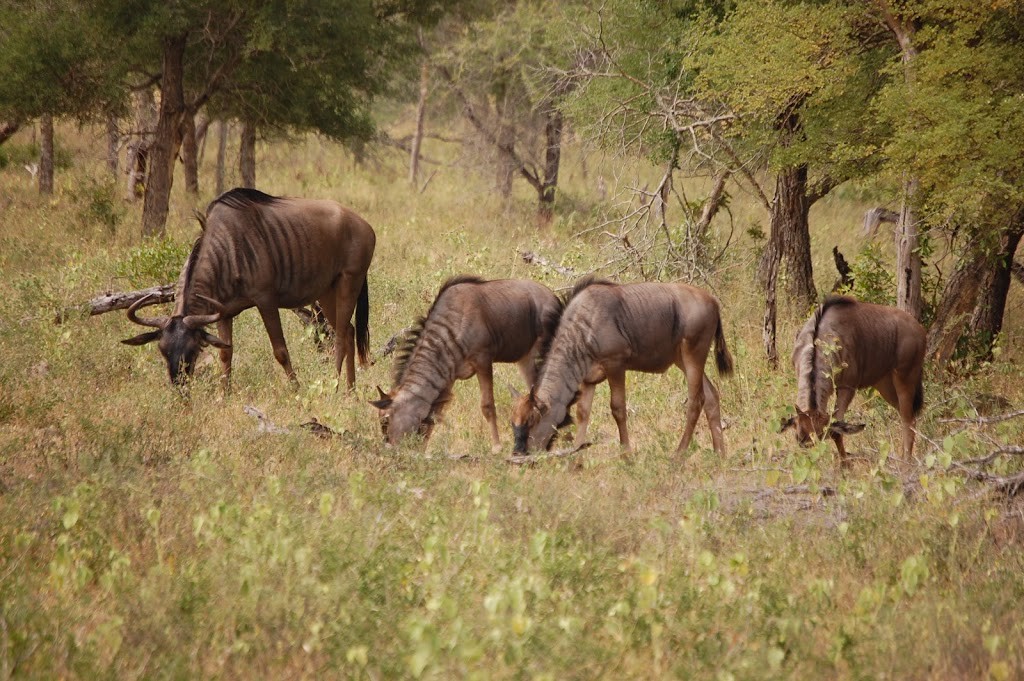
147, 535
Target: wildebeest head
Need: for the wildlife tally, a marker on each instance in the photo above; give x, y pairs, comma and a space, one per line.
397, 421
534, 424
815, 424
180, 338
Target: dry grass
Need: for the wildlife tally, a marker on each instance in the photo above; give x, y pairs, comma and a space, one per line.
148, 536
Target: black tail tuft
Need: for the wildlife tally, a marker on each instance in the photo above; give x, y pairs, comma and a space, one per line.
363, 323
723, 360
918, 397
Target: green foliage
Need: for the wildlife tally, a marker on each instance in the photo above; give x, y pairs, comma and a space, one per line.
873, 280
156, 262
99, 202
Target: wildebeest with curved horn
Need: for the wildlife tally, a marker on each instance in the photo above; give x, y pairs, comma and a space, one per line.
847, 345
267, 252
607, 329
471, 324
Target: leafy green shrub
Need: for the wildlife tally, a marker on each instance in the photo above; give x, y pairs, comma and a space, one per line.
154, 262
98, 203
872, 280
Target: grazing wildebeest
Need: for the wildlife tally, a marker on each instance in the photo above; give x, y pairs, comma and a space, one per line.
471, 324
607, 329
268, 252
847, 345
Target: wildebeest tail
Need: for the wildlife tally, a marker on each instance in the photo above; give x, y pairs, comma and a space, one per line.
363, 323
723, 360
918, 396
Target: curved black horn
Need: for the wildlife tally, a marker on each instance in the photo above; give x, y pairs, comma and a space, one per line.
194, 321
155, 322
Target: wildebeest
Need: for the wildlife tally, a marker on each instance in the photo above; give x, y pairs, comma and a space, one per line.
471, 324
268, 252
847, 345
607, 329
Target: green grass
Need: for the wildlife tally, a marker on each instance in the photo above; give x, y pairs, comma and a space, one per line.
143, 535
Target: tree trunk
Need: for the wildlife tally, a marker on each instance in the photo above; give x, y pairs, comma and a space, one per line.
769, 325
167, 140
137, 159
505, 139
222, 155
113, 145
711, 205
247, 155
552, 161
908, 256
958, 297
7, 130
190, 154
421, 114
45, 174
987, 320
202, 127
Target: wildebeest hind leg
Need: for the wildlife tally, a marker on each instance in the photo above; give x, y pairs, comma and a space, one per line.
272, 320
694, 370
617, 386
347, 293
485, 376
905, 389
713, 412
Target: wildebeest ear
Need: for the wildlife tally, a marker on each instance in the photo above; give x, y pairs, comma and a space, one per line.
216, 342
844, 428
787, 423
143, 338
514, 393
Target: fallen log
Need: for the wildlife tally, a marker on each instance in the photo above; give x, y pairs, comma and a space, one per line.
115, 300
532, 258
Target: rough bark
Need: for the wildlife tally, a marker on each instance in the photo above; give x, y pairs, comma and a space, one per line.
958, 298
167, 139
137, 159
247, 155
113, 145
7, 130
768, 330
421, 114
711, 205
202, 123
908, 257
987, 320
117, 300
222, 154
552, 161
190, 154
506, 139
45, 174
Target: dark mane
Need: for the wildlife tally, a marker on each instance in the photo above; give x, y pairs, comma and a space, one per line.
585, 282
241, 198
404, 352
412, 336
830, 302
553, 318
186, 286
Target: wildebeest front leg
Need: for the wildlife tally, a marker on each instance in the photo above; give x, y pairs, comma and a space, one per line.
583, 408
843, 398
485, 376
224, 327
272, 320
617, 386
713, 412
